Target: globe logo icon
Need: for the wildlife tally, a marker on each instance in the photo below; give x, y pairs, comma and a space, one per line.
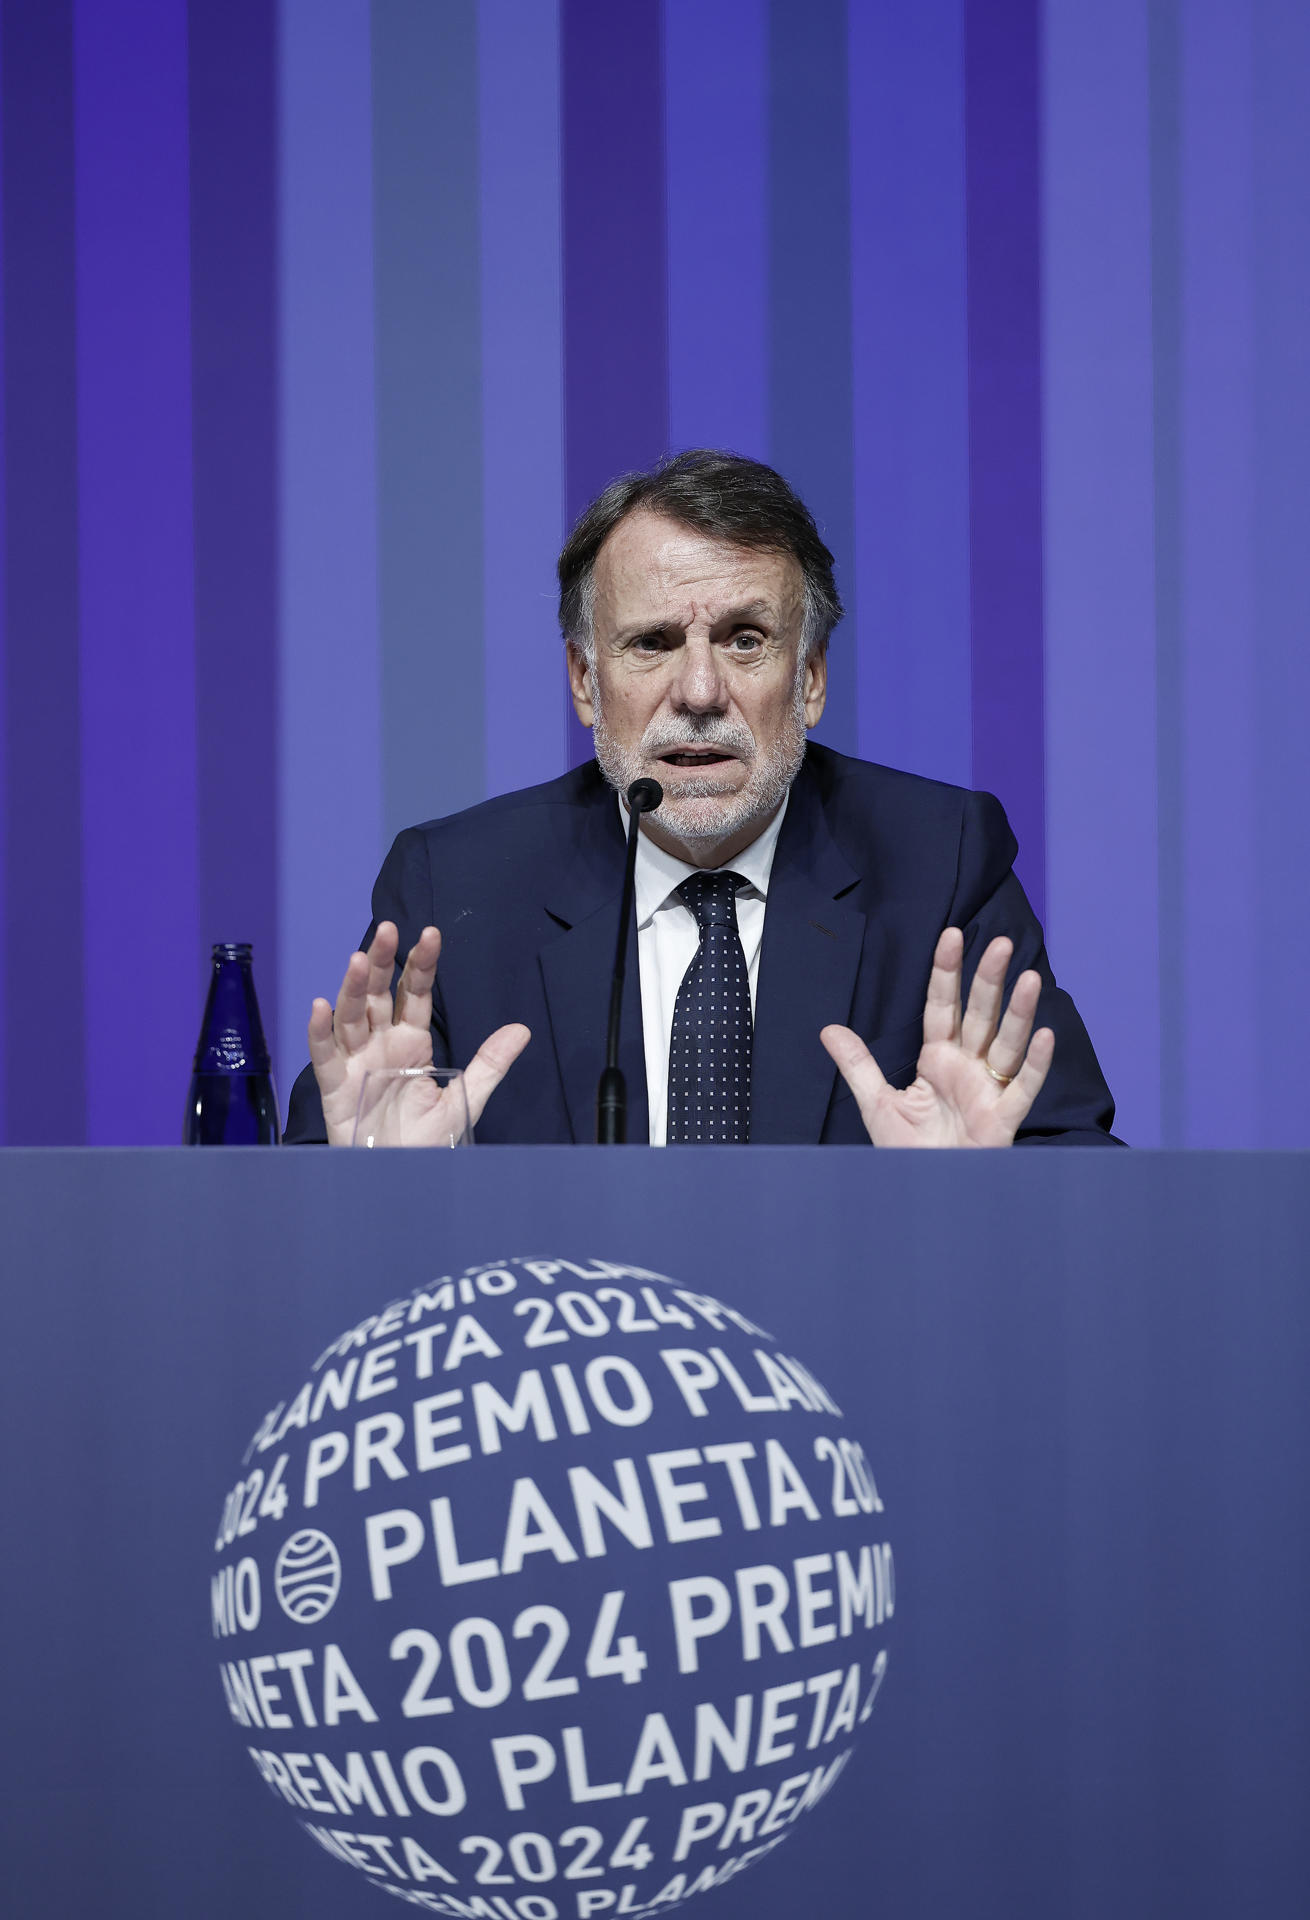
307, 1576
620, 1587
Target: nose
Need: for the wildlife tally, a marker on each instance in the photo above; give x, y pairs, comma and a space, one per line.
698, 685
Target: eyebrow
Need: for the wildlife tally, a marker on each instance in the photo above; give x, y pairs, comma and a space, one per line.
754, 610
750, 613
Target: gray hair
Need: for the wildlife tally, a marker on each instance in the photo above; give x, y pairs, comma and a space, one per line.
724, 495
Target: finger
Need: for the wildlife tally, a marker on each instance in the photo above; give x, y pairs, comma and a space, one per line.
1007, 1050
322, 1043
414, 993
1030, 1079
490, 1064
325, 1056
857, 1067
350, 1025
381, 958
941, 1011
984, 1009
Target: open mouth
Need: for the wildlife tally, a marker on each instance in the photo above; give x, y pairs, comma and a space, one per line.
696, 757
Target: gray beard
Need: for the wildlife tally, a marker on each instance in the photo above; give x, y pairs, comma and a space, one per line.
701, 812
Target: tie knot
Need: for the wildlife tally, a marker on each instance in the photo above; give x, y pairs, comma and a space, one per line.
711, 897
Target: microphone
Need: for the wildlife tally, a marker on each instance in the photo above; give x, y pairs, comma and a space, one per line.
643, 796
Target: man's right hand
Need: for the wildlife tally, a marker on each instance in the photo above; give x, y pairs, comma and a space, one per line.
368, 1031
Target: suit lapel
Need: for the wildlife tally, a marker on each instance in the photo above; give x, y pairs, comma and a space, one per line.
583, 897
808, 963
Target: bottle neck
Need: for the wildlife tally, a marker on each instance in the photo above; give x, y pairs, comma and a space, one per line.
232, 1033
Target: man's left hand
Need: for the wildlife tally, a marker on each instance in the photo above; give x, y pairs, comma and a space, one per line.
978, 1073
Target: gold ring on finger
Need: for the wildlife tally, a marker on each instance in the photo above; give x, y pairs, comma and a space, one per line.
1001, 1079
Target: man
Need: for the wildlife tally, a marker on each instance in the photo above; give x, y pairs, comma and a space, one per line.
800, 914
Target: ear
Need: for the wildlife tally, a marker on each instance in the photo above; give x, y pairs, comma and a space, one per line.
580, 685
816, 687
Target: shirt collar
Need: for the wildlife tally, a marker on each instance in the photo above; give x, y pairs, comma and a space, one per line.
659, 874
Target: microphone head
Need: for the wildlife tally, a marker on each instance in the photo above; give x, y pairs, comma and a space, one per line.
645, 795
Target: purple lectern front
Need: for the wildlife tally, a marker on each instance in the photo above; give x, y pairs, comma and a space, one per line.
547, 1533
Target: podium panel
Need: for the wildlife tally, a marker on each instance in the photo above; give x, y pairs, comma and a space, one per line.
1078, 1381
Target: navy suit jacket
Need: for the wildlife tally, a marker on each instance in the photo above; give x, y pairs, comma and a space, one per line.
870, 865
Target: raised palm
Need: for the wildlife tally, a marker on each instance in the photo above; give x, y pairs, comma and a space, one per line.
979, 1070
369, 1030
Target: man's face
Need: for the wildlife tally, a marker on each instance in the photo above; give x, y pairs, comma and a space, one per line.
697, 681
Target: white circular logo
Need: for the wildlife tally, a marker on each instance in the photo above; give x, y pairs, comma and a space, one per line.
619, 1597
307, 1576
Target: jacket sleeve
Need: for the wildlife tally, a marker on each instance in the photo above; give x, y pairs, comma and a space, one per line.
403, 893
1075, 1107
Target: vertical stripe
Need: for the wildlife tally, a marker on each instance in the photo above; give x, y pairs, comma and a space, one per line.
810, 436
134, 537
233, 80
1224, 966
1003, 253
1099, 560
910, 386
1281, 511
46, 1099
330, 784
429, 406
4, 669
1166, 330
616, 414
716, 142
522, 389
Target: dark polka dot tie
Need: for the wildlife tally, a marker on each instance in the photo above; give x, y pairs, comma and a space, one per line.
710, 1053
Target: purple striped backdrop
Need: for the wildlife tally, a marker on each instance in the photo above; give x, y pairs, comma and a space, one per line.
1281, 249
616, 363
5, 790
1217, 460
330, 792
45, 1058
810, 414
911, 433
523, 515
716, 137
427, 281
1099, 556
319, 319
1003, 276
234, 361
137, 655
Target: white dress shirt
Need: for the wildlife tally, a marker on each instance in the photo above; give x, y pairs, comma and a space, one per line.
668, 939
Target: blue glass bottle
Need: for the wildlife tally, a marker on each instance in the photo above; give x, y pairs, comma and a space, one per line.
232, 1102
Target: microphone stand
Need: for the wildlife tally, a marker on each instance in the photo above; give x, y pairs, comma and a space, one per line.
643, 796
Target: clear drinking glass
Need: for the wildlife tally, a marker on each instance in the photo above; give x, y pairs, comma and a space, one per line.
412, 1107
